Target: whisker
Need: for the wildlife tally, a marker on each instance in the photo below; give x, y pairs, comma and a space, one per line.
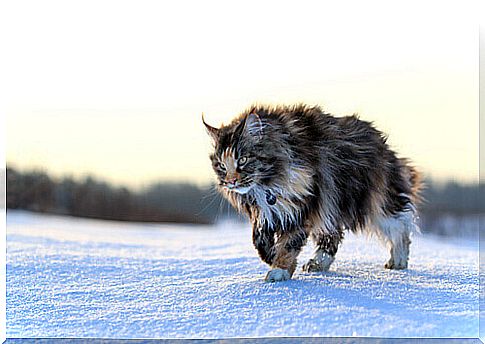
210, 203
211, 192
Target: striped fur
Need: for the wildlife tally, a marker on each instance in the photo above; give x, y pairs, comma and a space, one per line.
298, 172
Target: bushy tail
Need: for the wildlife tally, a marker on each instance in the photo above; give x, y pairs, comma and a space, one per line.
417, 184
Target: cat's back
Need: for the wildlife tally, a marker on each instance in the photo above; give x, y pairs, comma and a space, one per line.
311, 125
298, 122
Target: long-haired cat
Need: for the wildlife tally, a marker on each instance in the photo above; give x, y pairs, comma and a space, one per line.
298, 172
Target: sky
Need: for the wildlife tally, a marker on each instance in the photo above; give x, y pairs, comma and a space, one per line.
117, 89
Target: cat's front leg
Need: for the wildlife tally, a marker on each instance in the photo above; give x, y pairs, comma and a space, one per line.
327, 246
263, 240
286, 249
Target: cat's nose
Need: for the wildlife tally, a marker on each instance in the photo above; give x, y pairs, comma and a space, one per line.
232, 181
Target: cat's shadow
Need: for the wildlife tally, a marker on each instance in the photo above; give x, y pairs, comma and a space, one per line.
374, 273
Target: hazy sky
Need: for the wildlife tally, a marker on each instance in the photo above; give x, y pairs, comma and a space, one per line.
117, 89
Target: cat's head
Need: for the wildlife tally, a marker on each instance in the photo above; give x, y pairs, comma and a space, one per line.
244, 155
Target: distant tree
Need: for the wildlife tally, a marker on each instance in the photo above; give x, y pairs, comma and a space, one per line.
169, 202
32, 191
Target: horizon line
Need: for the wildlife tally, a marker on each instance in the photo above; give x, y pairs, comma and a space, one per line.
164, 180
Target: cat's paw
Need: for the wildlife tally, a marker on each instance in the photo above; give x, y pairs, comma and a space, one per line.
313, 266
393, 265
320, 264
277, 275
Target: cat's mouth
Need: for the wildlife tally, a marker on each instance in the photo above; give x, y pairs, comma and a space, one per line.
240, 189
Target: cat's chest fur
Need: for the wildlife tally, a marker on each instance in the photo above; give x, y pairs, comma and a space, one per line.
280, 202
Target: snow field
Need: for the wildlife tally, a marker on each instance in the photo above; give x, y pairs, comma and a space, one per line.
71, 277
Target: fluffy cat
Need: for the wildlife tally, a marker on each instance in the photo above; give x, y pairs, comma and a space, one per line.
298, 172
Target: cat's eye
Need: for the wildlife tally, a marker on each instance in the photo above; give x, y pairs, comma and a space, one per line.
242, 161
222, 166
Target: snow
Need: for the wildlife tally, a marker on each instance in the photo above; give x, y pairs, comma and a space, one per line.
70, 277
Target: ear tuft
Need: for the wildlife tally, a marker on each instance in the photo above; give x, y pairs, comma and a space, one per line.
254, 125
213, 132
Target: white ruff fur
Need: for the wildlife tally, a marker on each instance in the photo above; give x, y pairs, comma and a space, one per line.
298, 184
281, 211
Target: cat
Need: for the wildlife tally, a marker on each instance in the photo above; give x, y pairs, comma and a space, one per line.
298, 172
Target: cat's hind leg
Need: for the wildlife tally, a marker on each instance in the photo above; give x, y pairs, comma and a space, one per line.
327, 246
395, 231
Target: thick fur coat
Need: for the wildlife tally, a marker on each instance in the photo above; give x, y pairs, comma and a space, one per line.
298, 172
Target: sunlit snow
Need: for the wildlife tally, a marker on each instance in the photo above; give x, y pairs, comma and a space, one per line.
71, 277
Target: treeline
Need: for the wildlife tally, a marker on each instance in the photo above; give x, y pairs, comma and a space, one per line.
453, 209
92, 198
453, 197
450, 208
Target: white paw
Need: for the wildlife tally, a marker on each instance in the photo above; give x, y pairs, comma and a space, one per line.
400, 265
313, 266
277, 275
320, 263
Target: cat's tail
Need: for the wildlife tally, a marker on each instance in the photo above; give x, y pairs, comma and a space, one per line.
416, 183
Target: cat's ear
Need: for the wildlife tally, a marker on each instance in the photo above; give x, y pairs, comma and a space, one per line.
213, 132
253, 125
